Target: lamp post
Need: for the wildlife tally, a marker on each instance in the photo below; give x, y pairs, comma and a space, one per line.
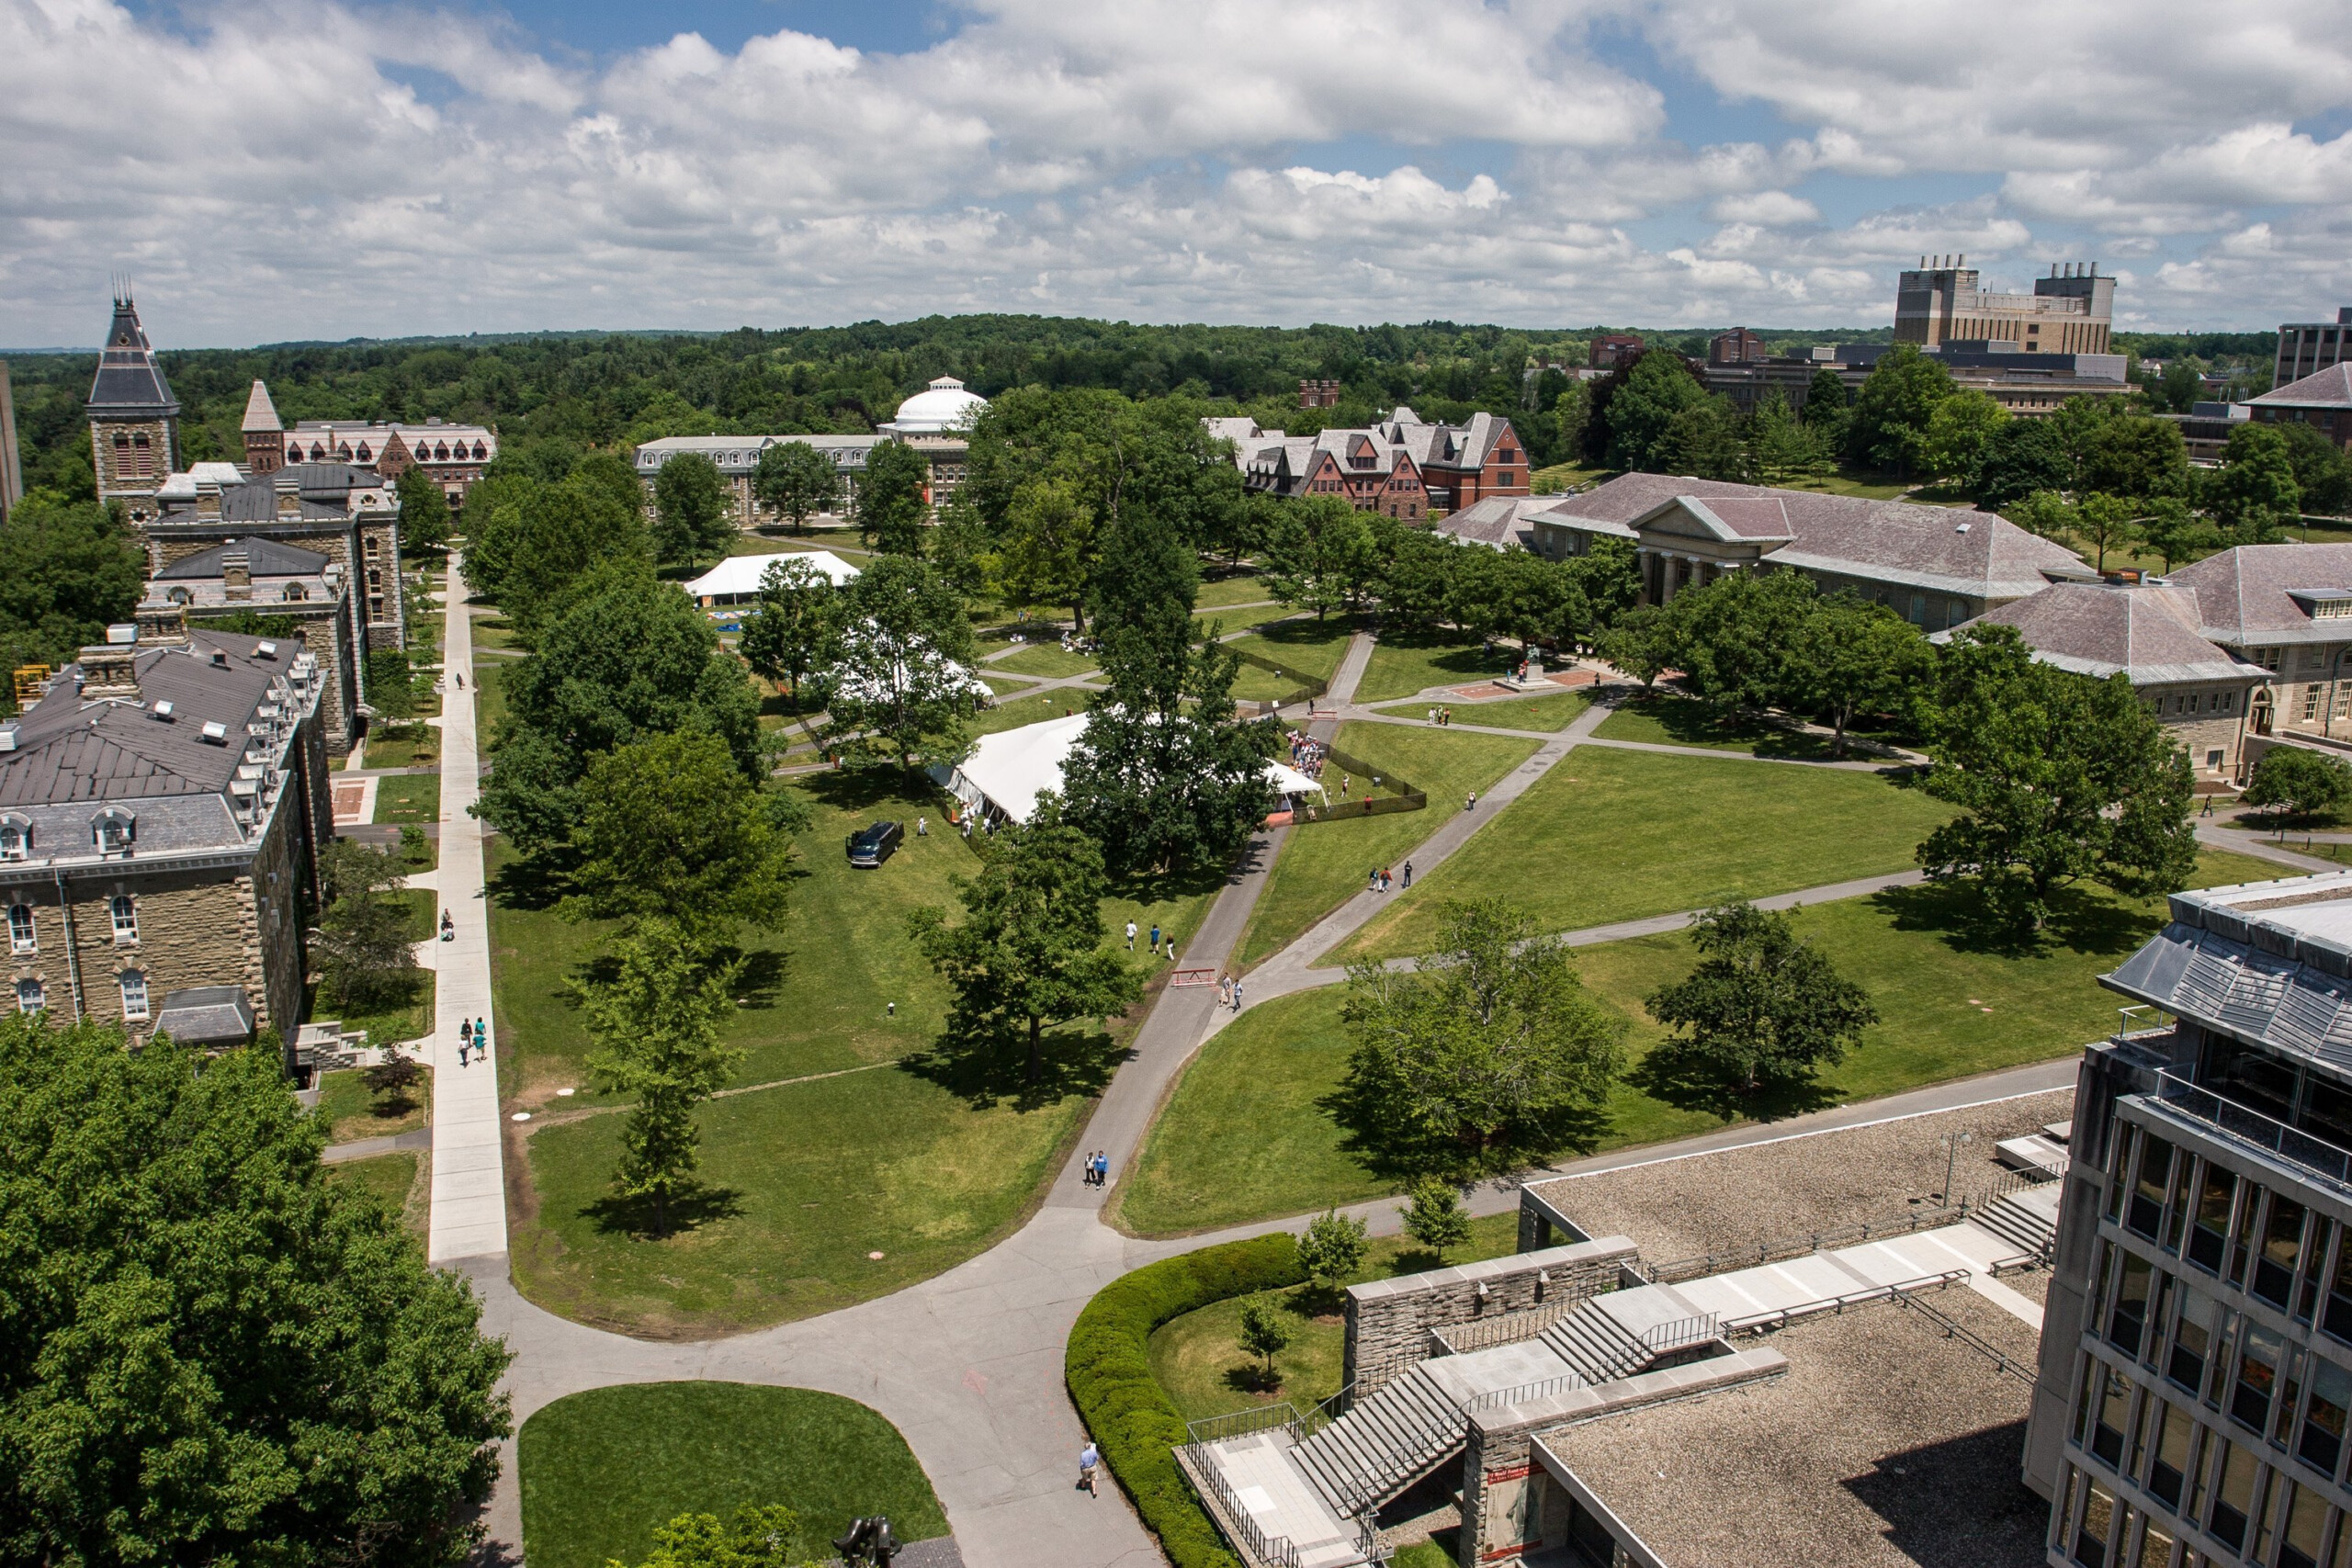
1951, 1158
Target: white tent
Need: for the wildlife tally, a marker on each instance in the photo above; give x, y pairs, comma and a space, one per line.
1010, 769
737, 578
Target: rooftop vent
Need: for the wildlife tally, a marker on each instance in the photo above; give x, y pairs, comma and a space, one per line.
1960, 528
162, 710
216, 732
266, 651
123, 632
219, 658
8, 737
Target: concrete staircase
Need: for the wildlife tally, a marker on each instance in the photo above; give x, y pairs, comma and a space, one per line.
1383, 1444
1596, 1346
2023, 1224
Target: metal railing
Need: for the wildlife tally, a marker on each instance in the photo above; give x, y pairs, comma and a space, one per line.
1664, 1338
1801, 1244
1240, 1423
1389, 793
1275, 1550
1521, 1393
1780, 1318
1955, 1330
1326, 1412
2246, 1124
1503, 1328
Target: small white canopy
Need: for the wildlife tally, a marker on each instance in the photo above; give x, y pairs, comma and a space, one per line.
1010, 769
738, 577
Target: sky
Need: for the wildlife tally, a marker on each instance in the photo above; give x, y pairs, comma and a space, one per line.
273, 170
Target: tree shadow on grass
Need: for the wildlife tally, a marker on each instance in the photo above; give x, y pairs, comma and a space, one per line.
687, 1211
1392, 1146
1250, 1378
986, 1066
1682, 1077
536, 883
1463, 660
1957, 913
880, 790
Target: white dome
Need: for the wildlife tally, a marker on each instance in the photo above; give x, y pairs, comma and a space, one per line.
944, 406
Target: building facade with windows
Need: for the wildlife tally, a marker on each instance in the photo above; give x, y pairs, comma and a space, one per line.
161, 810
134, 418
1404, 466
347, 514
2288, 609
2070, 311
2196, 1368
2306, 348
738, 457
2322, 399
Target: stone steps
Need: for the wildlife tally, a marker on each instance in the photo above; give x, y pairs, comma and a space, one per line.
2030, 1232
1596, 1346
1384, 1444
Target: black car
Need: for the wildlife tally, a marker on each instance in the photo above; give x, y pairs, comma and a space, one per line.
871, 845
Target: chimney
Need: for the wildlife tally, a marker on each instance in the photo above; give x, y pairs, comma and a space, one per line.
162, 624
236, 573
110, 671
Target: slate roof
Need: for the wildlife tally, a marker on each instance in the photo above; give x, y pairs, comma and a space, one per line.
265, 558
2148, 633
129, 381
261, 414
2244, 598
206, 1015
2330, 388
71, 751
1497, 521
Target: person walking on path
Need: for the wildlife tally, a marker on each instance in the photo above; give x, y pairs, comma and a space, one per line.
1087, 1461
1101, 1169
1131, 936
1155, 936
1472, 804
1171, 950
1409, 874
1371, 880
1236, 993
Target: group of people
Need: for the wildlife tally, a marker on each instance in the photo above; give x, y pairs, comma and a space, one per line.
473, 1037
1441, 716
1228, 991
1157, 945
1379, 881
1307, 753
1098, 1168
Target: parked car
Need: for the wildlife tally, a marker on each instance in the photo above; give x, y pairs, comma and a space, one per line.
871, 845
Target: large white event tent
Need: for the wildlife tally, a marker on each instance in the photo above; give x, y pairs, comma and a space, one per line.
737, 579
1008, 770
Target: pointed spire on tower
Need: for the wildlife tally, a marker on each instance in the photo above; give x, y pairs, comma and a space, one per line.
261, 414
130, 381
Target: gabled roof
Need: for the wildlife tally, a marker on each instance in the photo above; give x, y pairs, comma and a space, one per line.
2148, 633
266, 558
1498, 521
2245, 595
70, 751
2331, 387
130, 381
261, 414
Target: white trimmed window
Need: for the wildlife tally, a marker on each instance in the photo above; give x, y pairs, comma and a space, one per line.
126, 916
29, 996
134, 993
112, 831
21, 935
16, 839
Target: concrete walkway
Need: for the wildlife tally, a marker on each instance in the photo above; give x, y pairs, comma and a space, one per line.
469, 1175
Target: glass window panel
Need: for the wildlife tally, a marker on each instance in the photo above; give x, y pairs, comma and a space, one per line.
2214, 1196
2243, 1243
2282, 1249
2114, 1414
2257, 1376
2098, 1522
2127, 1322
2303, 1534
2173, 1433
2177, 1204
2328, 1111
2233, 1495
2155, 1546
2145, 1213
2192, 1340
2323, 1437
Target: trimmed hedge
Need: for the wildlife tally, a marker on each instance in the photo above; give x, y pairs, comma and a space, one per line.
1108, 1369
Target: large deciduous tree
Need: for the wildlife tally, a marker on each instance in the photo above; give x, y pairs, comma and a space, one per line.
899, 687
1638, 411
1735, 636
796, 480
1029, 952
1895, 408
1315, 551
534, 541
67, 571
1763, 1009
800, 614
425, 513
363, 945
208, 1353
1047, 553
690, 518
892, 499
2253, 495
669, 824
1853, 657
2058, 777
1490, 1051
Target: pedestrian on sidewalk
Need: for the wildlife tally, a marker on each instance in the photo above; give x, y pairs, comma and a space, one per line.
2208, 810
1409, 874
482, 1038
1087, 1460
1101, 1168
461, 1052
1236, 993
1371, 880
1472, 804
1131, 936
461, 678
1432, 713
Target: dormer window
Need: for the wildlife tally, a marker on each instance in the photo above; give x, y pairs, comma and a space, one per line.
16, 838
113, 830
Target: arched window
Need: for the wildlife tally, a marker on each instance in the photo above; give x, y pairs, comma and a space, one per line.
22, 936
112, 831
134, 994
122, 441
29, 997
126, 916
295, 592
16, 838
178, 596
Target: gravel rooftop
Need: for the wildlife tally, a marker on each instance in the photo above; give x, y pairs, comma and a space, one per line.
1886, 1443
1679, 1208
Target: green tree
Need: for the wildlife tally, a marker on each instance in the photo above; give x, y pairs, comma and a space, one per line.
1333, 1248
1960, 434
1853, 657
899, 686
1734, 636
1895, 407
1046, 553
1316, 550
2255, 495
690, 517
669, 824
1609, 575
363, 945
1491, 1049
799, 614
1639, 412
66, 572
2024, 456
2058, 777
1644, 642
392, 689
1783, 446
2045, 513
1763, 1009
2322, 472
1029, 949
654, 1018
1262, 1335
537, 540
1826, 411
2136, 457
2105, 523
2176, 533
208, 1353
892, 499
769, 1537
2299, 782
796, 480
1703, 441
1433, 1215
425, 513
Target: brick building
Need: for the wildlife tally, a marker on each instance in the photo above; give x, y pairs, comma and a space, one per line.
452, 456
2070, 311
161, 810
134, 418
1609, 350
2306, 348
2322, 399
1737, 346
1404, 466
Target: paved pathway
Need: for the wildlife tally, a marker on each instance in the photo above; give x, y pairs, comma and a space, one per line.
468, 1178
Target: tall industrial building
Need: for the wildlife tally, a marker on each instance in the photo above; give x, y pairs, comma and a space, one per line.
2306, 348
2070, 311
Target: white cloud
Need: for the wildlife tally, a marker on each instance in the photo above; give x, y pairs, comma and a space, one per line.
273, 173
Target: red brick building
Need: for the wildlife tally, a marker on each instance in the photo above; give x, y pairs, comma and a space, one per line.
1404, 466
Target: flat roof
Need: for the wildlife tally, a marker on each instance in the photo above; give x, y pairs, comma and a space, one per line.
1883, 1443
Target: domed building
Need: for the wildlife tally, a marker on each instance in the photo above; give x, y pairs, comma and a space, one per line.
937, 422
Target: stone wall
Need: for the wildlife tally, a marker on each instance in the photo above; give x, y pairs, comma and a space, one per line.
1388, 1321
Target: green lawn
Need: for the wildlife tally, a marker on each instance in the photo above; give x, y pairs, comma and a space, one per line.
1243, 588
1312, 647
600, 1469
490, 706
1554, 713
401, 745
1609, 835
408, 797
407, 1013
1019, 711
1323, 863
1046, 659
1198, 1360
1245, 1136
1564, 476
1007, 686
928, 1162
1405, 662
1229, 620
1681, 721
393, 1179
494, 631
352, 1113
1867, 484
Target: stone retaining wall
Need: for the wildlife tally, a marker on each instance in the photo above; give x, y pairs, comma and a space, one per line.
1388, 1320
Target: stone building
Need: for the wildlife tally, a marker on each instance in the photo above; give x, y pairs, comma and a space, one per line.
2070, 311
937, 422
283, 581
2288, 609
452, 456
134, 418
347, 514
161, 810
1935, 566
738, 457
1404, 466
2147, 632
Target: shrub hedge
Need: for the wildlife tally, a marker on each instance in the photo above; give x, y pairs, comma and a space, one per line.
1108, 1367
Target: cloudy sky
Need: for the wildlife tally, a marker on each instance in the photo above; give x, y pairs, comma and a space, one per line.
275, 169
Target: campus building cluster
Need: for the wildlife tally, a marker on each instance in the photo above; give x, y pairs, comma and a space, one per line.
1404, 466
